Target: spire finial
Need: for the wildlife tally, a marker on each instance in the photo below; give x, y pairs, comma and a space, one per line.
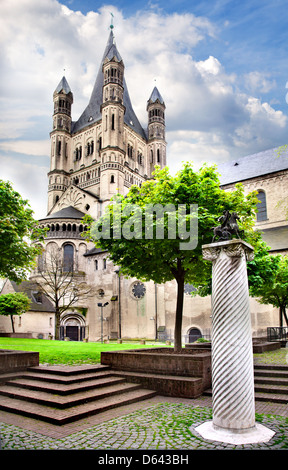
112, 17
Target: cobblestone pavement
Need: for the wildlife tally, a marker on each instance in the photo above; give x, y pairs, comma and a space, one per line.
160, 424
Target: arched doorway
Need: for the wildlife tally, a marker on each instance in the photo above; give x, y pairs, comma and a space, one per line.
72, 326
194, 334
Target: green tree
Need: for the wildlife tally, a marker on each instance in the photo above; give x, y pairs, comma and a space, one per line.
268, 276
165, 259
17, 230
14, 304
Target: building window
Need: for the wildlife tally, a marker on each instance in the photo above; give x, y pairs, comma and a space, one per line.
138, 290
78, 153
100, 293
68, 258
104, 263
90, 148
261, 206
112, 180
37, 297
96, 265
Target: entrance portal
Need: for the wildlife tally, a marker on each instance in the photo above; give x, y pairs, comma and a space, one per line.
194, 334
72, 327
72, 332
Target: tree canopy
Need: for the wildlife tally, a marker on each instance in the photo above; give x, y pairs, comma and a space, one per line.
14, 304
131, 237
17, 229
269, 282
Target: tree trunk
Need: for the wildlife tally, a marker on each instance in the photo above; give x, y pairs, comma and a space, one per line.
179, 314
57, 323
12, 322
280, 317
285, 315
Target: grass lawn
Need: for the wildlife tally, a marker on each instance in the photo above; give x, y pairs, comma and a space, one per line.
69, 352
77, 352
278, 357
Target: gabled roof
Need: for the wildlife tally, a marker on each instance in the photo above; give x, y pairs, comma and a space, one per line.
92, 113
30, 287
252, 166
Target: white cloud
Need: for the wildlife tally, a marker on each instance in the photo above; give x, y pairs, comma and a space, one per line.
256, 80
30, 180
208, 117
27, 147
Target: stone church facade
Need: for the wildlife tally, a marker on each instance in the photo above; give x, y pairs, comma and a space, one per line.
105, 152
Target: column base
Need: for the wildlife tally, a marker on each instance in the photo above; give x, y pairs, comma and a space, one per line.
258, 433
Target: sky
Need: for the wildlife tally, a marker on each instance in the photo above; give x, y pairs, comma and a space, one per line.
221, 67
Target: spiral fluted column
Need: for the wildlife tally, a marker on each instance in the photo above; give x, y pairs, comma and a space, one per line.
232, 353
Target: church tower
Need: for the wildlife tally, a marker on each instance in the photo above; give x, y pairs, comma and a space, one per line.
60, 142
113, 111
156, 131
106, 150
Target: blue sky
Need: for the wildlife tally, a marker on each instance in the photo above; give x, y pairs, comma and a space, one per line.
221, 67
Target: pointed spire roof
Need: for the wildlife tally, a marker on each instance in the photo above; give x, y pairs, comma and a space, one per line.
111, 50
63, 86
92, 113
155, 95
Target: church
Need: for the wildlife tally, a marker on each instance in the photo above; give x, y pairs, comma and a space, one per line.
101, 154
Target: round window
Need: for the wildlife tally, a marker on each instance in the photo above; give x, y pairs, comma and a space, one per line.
138, 290
100, 293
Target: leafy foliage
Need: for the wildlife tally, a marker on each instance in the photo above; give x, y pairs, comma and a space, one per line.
162, 260
269, 282
14, 304
17, 229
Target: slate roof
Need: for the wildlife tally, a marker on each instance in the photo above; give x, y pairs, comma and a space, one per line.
94, 251
63, 86
28, 287
92, 113
155, 95
252, 166
66, 213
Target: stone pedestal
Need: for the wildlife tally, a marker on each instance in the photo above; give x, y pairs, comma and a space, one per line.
232, 353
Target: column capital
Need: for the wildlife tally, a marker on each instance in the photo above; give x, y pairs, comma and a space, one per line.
235, 248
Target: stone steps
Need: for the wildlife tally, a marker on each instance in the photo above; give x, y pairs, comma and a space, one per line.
167, 385
66, 395
270, 383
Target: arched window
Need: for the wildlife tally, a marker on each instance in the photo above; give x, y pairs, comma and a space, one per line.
68, 257
261, 206
112, 179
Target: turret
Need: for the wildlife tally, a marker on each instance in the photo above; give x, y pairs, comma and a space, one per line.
60, 142
63, 99
156, 130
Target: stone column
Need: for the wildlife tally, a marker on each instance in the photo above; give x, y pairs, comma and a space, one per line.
232, 353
